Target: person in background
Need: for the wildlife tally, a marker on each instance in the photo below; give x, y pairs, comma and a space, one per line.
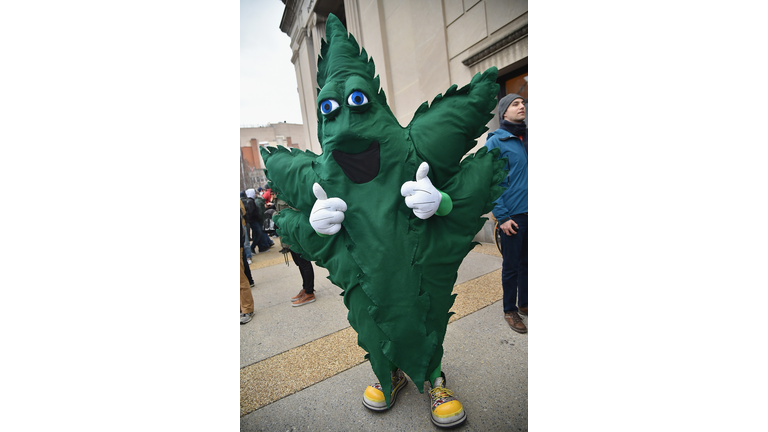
264, 241
254, 218
307, 293
246, 247
511, 210
247, 250
269, 197
246, 297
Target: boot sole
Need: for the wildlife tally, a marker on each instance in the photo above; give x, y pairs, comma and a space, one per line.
392, 400
303, 303
519, 331
449, 425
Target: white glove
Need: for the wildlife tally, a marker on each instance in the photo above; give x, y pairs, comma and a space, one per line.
327, 213
420, 195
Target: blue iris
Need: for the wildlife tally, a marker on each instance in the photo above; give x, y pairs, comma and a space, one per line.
328, 105
357, 98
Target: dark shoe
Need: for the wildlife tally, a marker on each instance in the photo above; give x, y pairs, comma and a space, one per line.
523, 311
515, 322
305, 299
253, 284
298, 296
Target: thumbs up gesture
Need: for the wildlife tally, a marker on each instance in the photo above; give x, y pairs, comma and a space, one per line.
327, 213
420, 195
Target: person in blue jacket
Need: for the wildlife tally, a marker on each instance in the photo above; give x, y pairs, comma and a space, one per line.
511, 209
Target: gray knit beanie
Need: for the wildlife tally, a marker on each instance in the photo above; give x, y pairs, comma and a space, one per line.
505, 102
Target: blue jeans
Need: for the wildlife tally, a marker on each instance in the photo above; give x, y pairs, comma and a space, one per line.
247, 250
265, 242
514, 268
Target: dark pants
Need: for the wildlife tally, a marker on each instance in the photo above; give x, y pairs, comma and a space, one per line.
307, 273
247, 268
514, 269
260, 238
265, 242
256, 237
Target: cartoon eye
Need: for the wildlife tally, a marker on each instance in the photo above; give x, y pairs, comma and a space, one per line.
357, 98
328, 105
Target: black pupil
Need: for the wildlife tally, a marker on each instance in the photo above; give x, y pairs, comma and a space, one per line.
326, 106
358, 99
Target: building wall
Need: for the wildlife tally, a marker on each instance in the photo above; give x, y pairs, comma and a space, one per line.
250, 156
420, 47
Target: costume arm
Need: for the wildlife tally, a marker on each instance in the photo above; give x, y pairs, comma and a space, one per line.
445, 131
291, 175
295, 230
472, 192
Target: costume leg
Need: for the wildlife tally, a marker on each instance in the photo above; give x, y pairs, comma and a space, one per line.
435, 374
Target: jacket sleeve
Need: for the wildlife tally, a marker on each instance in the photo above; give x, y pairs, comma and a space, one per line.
500, 211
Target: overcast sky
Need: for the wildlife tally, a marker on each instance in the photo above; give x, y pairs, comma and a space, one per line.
267, 78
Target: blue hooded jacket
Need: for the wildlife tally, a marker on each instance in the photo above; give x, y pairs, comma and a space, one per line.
514, 200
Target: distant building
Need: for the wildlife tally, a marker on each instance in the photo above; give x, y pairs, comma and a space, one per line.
273, 134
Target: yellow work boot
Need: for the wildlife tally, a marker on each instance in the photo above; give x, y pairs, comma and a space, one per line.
447, 411
373, 398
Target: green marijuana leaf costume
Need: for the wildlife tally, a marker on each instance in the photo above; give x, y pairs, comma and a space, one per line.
397, 271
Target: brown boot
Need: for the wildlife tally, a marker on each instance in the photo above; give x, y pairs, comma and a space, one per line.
515, 322
297, 296
304, 299
523, 311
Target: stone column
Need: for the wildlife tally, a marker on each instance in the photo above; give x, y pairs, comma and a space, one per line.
352, 10
305, 61
316, 30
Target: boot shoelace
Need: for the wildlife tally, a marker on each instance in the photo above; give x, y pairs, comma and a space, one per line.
440, 395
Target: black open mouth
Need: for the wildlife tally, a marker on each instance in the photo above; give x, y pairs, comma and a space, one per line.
361, 167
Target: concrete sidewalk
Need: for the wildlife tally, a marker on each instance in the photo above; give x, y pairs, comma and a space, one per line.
301, 368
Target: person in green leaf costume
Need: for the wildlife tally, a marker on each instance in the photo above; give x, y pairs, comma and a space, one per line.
390, 211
